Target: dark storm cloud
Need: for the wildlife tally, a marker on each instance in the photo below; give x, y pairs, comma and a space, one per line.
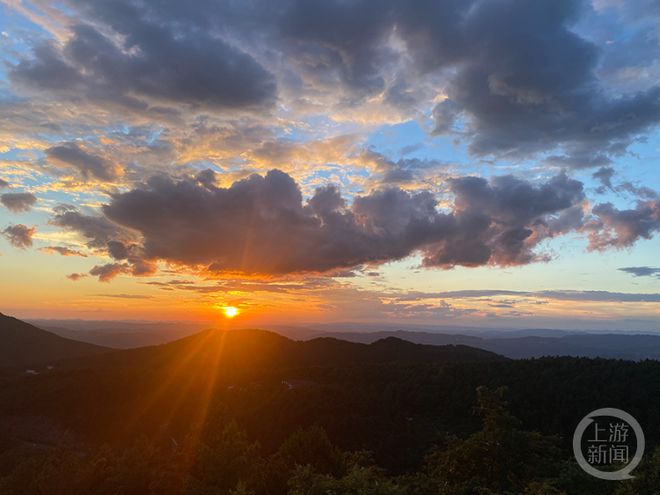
261, 224
18, 202
19, 235
642, 271
149, 61
87, 164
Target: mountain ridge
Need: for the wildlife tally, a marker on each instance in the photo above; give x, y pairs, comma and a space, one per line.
23, 344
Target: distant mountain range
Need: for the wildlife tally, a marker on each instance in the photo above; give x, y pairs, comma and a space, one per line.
22, 344
532, 343
119, 334
245, 351
511, 343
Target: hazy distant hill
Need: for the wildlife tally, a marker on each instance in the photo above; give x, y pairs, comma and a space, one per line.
512, 343
22, 344
530, 345
119, 334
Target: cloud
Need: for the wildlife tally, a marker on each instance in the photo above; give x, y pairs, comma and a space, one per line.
642, 192
501, 222
334, 56
18, 202
617, 228
402, 171
641, 271
107, 272
604, 176
261, 224
105, 236
62, 250
97, 230
129, 58
76, 276
543, 97
19, 235
87, 164
513, 101
599, 295
445, 115
3, 184
126, 296
562, 295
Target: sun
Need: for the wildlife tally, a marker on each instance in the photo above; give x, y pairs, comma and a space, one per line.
230, 311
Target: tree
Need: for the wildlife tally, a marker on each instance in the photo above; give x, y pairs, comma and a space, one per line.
646, 479
499, 458
359, 480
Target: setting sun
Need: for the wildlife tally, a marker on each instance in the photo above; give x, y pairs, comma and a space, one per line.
230, 311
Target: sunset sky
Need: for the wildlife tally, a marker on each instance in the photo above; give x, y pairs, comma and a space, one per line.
433, 162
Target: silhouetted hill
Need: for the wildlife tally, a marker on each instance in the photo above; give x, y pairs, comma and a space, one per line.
394, 398
169, 385
22, 344
247, 350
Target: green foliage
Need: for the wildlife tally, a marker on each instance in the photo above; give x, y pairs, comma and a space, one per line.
311, 447
139, 470
358, 480
646, 479
220, 462
500, 458
261, 438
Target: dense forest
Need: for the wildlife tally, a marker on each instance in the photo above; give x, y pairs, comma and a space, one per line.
256, 413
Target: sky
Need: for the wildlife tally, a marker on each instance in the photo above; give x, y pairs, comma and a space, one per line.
480, 163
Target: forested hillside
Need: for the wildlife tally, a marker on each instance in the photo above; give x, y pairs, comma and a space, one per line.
254, 412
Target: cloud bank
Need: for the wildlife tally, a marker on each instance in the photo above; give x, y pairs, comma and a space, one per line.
504, 100
262, 224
